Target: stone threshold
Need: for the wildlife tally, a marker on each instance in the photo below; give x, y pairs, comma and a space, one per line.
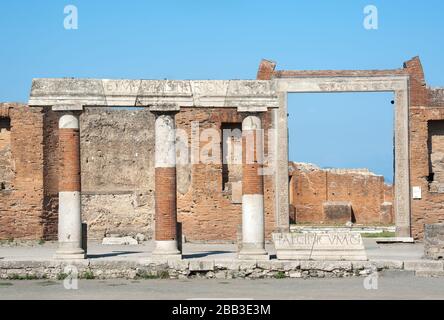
394, 240
218, 269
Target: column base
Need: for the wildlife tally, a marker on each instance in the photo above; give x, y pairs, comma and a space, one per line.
253, 254
69, 251
166, 250
403, 231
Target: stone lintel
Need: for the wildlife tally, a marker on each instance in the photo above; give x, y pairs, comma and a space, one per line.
184, 93
342, 84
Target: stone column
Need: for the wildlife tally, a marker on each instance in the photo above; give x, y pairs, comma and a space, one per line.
253, 226
165, 187
402, 198
70, 221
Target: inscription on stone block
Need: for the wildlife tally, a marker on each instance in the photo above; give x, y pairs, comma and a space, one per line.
319, 246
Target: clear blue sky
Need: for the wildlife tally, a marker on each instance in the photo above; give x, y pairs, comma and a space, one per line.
201, 39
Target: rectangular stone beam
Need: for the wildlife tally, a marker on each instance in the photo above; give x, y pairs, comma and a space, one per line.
144, 93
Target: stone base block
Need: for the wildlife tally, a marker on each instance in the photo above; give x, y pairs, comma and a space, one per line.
386, 215
338, 211
429, 273
167, 248
119, 241
434, 241
423, 265
332, 246
394, 240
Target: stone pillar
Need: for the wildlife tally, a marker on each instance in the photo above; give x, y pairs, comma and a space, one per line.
70, 220
253, 226
165, 187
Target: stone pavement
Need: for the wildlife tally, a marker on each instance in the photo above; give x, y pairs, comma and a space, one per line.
97, 251
391, 285
205, 261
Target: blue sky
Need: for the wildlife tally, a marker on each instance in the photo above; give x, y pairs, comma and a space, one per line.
217, 39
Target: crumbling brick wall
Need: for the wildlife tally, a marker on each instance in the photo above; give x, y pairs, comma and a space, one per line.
117, 161
21, 149
205, 210
311, 188
117, 165
117, 154
29, 168
6, 161
50, 174
426, 115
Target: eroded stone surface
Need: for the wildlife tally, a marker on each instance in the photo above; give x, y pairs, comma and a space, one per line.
319, 246
434, 241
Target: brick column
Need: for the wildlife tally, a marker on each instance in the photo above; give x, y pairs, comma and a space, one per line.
253, 227
165, 187
70, 221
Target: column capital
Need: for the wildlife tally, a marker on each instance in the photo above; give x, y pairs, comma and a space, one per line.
252, 109
69, 121
67, 107
252, 122
164, 108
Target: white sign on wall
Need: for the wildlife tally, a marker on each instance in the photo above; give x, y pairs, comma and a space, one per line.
416, 193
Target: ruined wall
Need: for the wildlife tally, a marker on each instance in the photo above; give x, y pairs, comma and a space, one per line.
117, 161
207, 210
117, 150
21, 171
117, 155
313, 189
6, 161
50, 174
426, 146
426, 105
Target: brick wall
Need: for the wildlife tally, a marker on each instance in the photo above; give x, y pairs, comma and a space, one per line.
6, 161
426, 105
117, 172
311, 188
22, 203
208, 213
117, 161
117, 165
50, 173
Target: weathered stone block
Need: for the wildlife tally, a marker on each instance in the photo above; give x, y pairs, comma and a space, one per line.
389, 264
386, 216
319, 246
327, 266
227, 264
434, 241
337, 211
119, 241
423, 265
236, 192
201, 265
181, 265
